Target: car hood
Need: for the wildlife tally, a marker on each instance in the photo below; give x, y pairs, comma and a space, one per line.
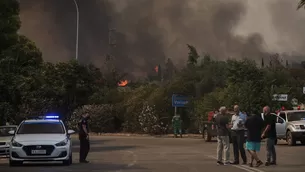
32, 138
301, 122
6, 139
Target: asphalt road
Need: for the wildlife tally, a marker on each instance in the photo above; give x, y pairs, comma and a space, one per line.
148, 154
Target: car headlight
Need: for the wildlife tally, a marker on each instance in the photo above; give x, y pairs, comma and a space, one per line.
297, 127
16, 144
62, 143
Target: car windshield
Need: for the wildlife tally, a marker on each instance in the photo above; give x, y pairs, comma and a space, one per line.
296, 116
41, 128
4, 131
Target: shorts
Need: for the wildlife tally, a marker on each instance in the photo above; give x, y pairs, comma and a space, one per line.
253, 146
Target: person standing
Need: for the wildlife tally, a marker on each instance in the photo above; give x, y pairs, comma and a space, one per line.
254, 125
238, 135
270, 134
84, 138
223, 141
177, 124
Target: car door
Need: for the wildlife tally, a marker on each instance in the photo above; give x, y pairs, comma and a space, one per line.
263, 117
281, 125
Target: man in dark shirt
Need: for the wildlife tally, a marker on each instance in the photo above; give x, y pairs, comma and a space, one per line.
223, 141
270, 134
254, 125
84, 138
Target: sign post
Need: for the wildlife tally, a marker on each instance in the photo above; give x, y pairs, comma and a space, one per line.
179, 101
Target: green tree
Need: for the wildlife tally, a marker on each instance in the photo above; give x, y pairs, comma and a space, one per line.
9, 23
301, 4
20, 62
170, 70
192, 55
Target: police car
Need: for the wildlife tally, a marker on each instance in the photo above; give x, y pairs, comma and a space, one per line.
41, 139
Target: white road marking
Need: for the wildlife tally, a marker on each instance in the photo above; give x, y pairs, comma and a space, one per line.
253, 169
164, 154
132, 163
135, 159
243, 167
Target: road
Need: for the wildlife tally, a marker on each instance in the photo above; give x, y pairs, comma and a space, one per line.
148, 154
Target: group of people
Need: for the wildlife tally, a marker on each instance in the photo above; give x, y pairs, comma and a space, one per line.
234, 130
256, 129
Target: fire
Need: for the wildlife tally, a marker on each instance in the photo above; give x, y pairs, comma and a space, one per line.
157, 69
123, 83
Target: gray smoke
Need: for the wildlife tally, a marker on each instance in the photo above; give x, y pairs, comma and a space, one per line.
149, 31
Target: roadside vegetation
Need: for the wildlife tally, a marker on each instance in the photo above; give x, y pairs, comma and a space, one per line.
30, 86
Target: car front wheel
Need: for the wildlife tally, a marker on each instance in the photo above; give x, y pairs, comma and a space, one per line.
68, 161
290, 139
15, 163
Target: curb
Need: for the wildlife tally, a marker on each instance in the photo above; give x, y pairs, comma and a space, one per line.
142, 135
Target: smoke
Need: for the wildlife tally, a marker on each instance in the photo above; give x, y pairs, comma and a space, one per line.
149, 31
279, 23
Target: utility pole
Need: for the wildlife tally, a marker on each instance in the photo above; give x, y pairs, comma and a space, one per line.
77, 29
111, 43
110, 60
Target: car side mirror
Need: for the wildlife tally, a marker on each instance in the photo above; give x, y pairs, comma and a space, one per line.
12, 132
71, 131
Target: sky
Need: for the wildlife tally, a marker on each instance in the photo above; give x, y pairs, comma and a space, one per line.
147, 32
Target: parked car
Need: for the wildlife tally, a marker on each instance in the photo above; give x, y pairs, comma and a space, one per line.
5, 139
290, 126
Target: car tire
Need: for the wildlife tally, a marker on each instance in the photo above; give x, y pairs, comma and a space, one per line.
13, 163
206, 136
68, 161
290, 139
303, 142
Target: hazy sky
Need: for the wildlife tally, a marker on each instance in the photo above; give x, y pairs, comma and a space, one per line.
149, 31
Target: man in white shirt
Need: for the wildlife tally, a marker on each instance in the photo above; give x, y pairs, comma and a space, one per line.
238, 135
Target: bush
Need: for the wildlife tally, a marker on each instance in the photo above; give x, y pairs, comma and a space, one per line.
101, 118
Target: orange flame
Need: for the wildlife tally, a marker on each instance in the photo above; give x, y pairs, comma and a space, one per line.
123, 83
157, 69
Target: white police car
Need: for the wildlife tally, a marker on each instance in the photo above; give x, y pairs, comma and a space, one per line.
41, 139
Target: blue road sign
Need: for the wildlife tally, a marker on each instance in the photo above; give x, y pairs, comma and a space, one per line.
179, 100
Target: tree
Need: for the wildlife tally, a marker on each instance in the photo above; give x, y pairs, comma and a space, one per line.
170, 70
20, 61
9, 23
301, 4
207, 59
29, 86
192, 55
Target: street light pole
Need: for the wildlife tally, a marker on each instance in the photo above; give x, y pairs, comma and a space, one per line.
77, 29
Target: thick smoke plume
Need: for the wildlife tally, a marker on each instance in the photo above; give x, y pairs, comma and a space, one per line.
149, 31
